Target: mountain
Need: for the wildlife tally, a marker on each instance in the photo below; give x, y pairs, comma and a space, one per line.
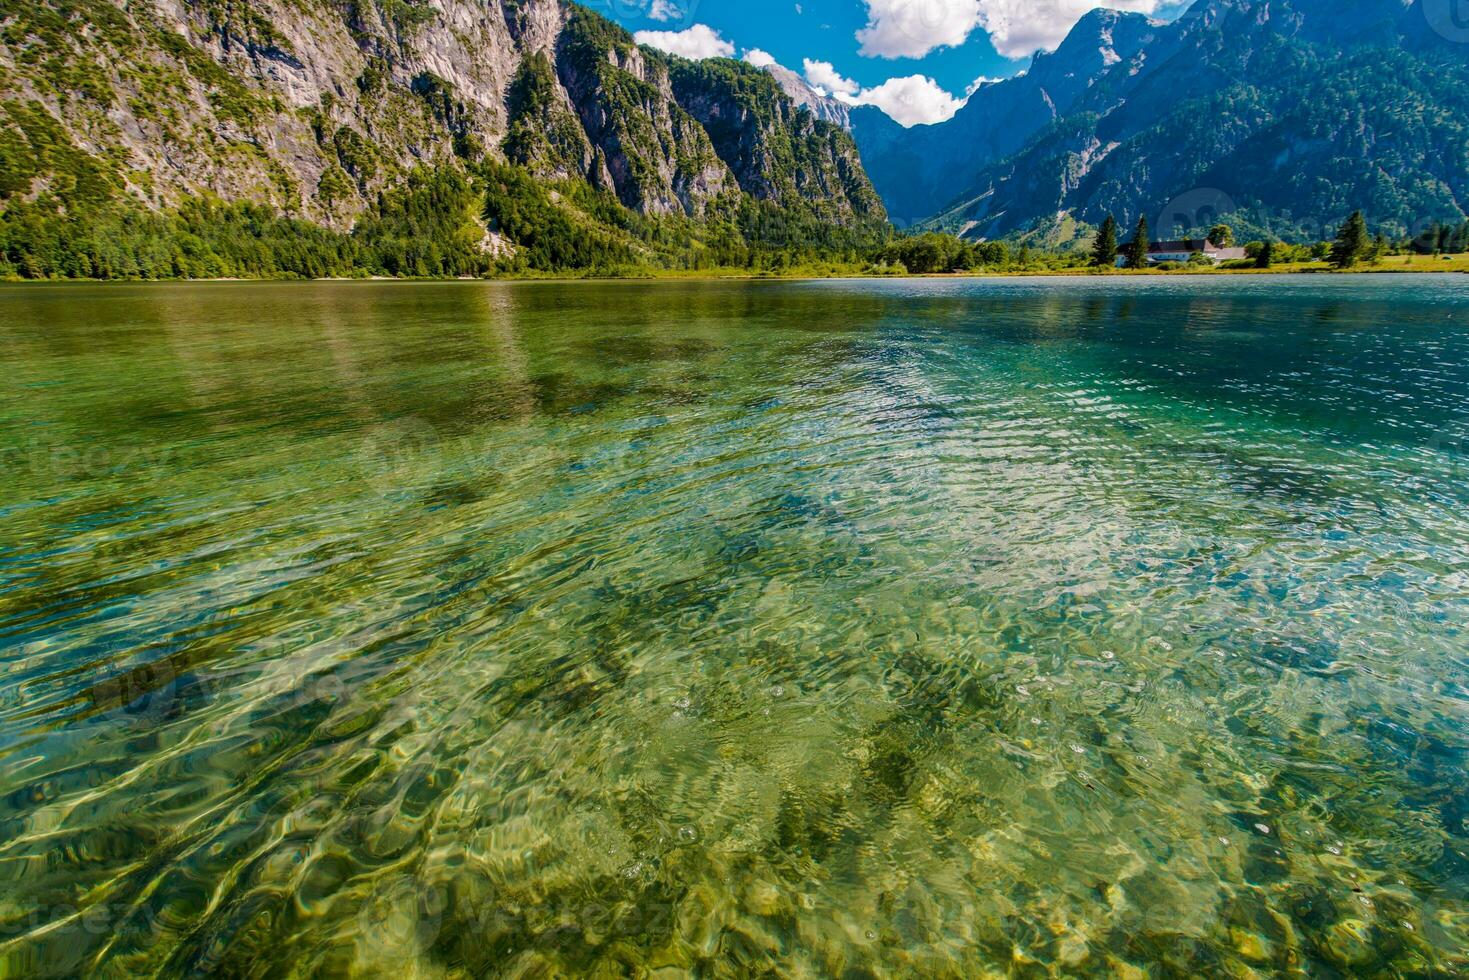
914, 170
823, 107
318, 108
1285, 115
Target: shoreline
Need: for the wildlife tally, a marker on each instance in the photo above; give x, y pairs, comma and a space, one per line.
1415, 265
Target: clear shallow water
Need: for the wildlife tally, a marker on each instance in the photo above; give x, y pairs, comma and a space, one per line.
954, 628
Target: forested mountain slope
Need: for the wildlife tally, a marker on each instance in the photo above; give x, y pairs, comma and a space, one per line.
1289, 114
316, 109
915, 169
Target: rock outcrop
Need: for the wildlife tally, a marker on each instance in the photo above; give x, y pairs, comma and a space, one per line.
316, 106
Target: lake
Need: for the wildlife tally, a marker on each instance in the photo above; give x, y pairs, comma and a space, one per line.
881, 628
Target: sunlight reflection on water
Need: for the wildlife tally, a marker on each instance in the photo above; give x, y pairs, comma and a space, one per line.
910, 627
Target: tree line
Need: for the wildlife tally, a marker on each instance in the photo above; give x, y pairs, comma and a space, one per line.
1353, 245
451, 223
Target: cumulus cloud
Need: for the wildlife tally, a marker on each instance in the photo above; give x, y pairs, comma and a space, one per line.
698, 42
913, 28
826, 79
665, 10
1017, 28
911, 101
758, 58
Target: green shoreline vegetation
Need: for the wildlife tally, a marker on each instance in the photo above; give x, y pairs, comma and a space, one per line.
777, 194
447, 224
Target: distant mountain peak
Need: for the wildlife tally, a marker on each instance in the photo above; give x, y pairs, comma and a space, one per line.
916, 174
1102, 38
800, 92
1287, 114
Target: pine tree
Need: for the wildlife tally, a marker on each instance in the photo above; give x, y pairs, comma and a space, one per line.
1104, 251
1351, 242
1378, 249
1137, 255
1266, 256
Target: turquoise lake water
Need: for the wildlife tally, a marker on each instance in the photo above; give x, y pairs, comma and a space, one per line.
946, 628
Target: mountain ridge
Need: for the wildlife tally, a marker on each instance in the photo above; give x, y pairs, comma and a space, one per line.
912, 169
1287, 114
801, 92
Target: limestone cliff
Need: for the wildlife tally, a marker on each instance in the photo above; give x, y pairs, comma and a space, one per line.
316, 106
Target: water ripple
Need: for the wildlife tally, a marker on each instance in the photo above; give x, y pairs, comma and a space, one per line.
935, 628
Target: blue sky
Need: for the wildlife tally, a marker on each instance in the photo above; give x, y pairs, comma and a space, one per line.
917, 59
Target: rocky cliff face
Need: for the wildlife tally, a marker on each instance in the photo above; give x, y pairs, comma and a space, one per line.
823, 107
777, 150
315, 106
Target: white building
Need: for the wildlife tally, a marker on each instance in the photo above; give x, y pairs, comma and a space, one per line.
1182, 251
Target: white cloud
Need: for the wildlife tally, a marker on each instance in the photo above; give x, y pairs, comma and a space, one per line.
665, 10
910, 101
913, 28
698, 42
758, 58
826, 79
1018, 28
